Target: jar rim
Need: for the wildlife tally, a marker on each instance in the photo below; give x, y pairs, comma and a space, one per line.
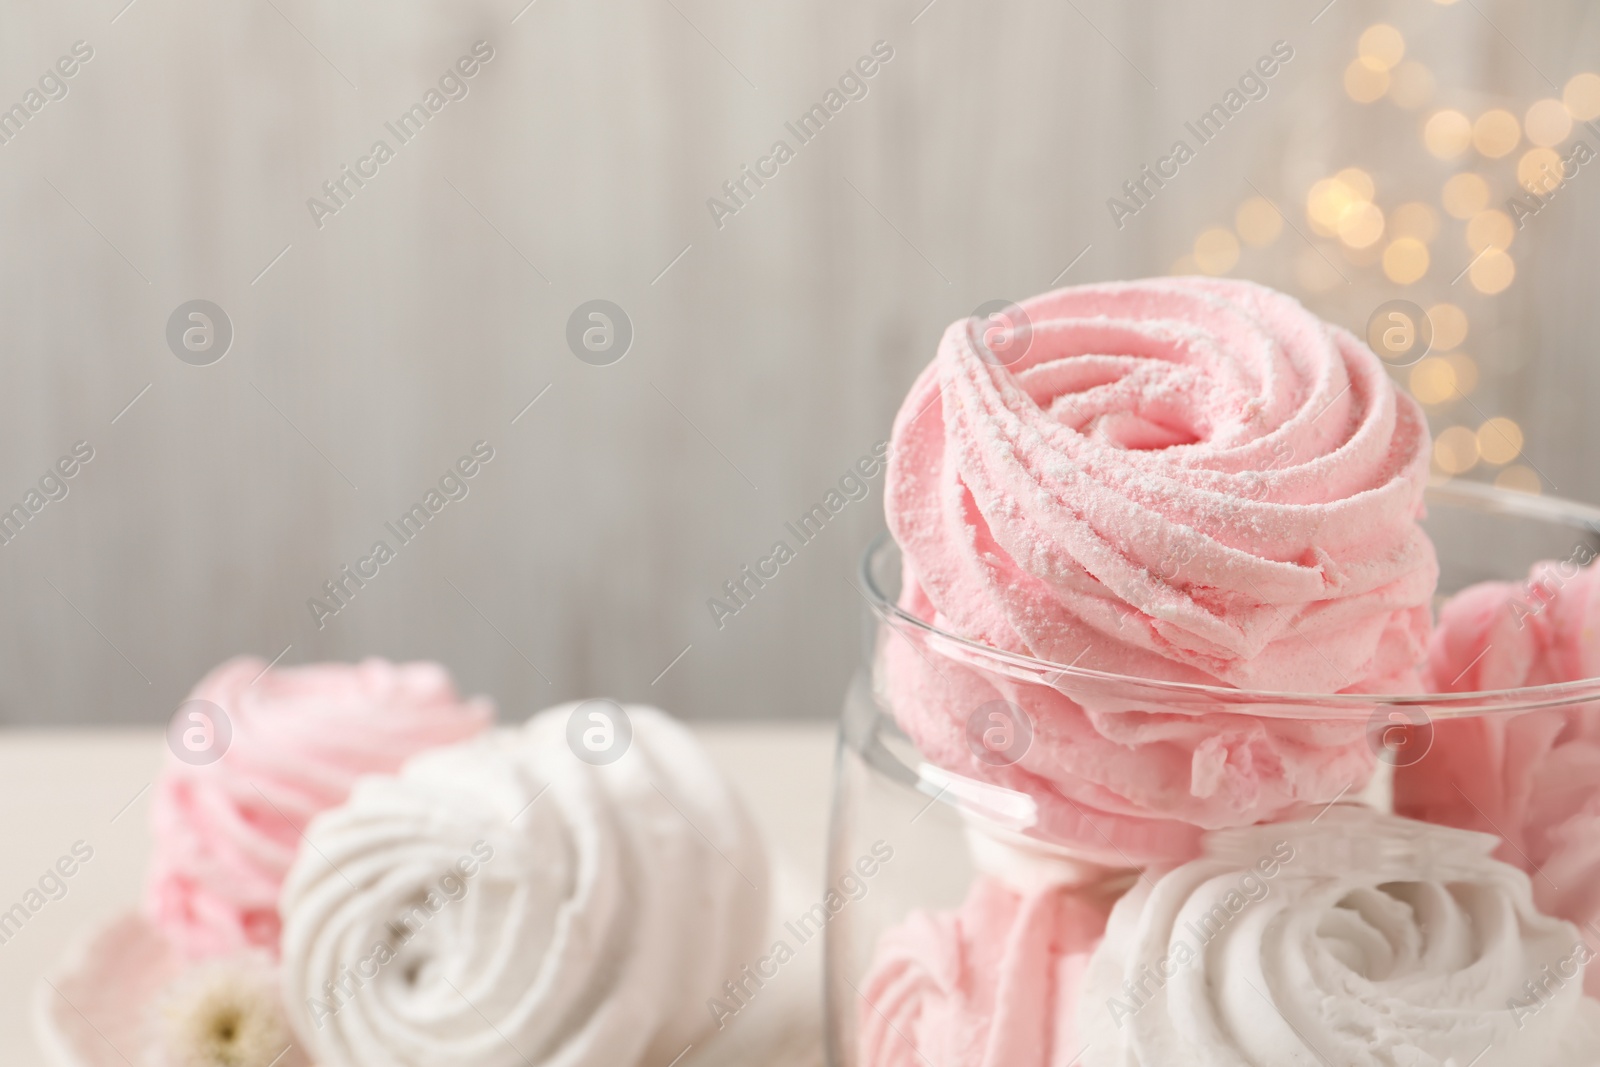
1477, 496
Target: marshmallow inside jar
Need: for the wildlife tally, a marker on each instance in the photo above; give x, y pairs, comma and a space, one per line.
504, 902
1171, 489
1360, 939
1531, 778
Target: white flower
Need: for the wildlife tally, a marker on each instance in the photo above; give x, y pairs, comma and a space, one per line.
224, 1013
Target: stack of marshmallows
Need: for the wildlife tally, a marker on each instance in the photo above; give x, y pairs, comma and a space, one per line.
1198, 481
373, 874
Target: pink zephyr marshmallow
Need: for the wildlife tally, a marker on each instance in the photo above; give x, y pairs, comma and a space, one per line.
1531, 778
226, 832
1182, 479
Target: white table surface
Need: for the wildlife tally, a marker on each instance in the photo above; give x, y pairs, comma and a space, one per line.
57, 787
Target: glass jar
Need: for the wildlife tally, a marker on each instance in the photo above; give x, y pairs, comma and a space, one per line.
935, 863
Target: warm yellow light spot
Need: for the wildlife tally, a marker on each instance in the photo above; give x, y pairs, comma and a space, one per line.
1500, 441
1327, 204
1548, 122
1358, 182
1361, 225
1496, 132
1216, 250
1411, 84
1405, 260
1342, 205
1326, 201
1258, 222
1381, 45
1447, 133
1520, 479
1364, 81
1414, 219
1539, 170
1456, 450
1466, 369
1465, 195
1449, 326
1490, 229
1492, 272
1433, 381
1582, 96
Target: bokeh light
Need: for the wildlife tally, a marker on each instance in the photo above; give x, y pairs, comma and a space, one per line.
1465, 195
1582, 96
1381, 45
1455, 451
1539, 170
1548, 122
1490, 229
1326, 204
1447, 133
1258, 222
1365, 82
1499, 441
1492, 272
1433, 381
1331, 201
1358, 182
1362, 225
1405, 260
1496, 133
1216, 250
1466, 369
1449, 326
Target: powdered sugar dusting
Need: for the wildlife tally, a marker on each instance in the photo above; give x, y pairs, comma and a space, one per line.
1203, 452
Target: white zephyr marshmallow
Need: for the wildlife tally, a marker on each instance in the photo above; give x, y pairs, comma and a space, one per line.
501, 903
1358, 939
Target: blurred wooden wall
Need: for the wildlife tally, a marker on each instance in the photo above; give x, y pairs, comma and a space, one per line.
769, 353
